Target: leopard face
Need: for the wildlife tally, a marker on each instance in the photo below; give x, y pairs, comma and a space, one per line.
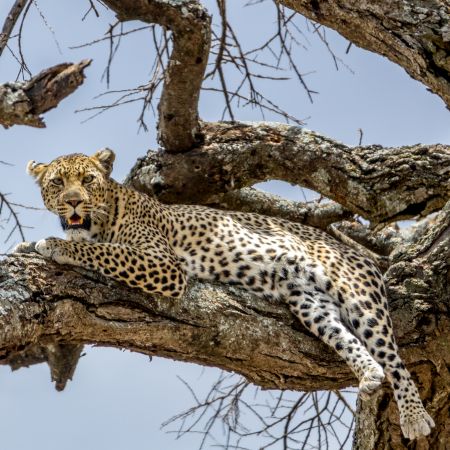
74, 187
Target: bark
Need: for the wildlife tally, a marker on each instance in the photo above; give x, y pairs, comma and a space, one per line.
380, 184
43, 303
21, 103
414, 34
178, 127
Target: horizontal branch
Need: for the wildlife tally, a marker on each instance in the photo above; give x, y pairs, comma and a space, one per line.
319, 215
42, 302
413, 34
22, 103
178, 126
380, 184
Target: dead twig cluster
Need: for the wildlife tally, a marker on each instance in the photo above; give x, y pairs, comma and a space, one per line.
234, 412
274, 60
145, 93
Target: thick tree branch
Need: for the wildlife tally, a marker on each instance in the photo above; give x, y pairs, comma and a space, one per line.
414, 34
383, 242
21, 103
380, 184
190, 23
44, 303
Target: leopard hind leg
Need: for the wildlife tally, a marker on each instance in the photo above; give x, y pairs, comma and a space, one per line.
320, 314
368, 318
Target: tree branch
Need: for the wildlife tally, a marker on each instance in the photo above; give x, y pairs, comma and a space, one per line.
413, 34
190, 23
10, 22
380, 184
42, 302
319, 215
21, 103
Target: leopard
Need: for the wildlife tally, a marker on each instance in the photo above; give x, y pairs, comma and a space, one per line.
337, 293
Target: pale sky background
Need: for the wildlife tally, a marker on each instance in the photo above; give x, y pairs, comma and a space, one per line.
118, 400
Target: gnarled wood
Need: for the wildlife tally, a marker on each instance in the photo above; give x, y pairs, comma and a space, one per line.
380, 184
21, 103
414, 34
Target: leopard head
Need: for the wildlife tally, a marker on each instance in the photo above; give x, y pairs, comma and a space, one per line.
75, 187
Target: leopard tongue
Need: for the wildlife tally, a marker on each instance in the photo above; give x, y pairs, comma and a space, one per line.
75, 220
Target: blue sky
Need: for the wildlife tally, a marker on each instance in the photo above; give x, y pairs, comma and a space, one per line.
119, 399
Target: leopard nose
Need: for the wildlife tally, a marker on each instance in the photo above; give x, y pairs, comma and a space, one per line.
74, 203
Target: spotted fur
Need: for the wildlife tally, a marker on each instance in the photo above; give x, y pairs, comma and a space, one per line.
335, 292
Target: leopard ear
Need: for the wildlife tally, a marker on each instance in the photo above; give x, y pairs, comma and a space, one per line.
36, 170
106, 159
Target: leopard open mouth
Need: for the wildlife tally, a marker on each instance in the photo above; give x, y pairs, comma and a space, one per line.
75, 221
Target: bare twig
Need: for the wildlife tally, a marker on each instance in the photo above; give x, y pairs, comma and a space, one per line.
145, 93
321, 32
113, 47
11, 214
48, 26
285, 49
361, 134
91, 8
23, 65
10, 21
111, 36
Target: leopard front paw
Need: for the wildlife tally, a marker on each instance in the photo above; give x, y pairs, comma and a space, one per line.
50, 248
24, 247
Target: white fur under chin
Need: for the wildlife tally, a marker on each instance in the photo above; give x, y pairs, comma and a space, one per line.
79, 235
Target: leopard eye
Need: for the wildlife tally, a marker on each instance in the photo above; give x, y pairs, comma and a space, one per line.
88, 179
57, 181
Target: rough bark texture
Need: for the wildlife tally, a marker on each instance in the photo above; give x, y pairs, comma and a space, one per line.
44, 303
178, 126
418, 282
414, 34
21, 103
380, 184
